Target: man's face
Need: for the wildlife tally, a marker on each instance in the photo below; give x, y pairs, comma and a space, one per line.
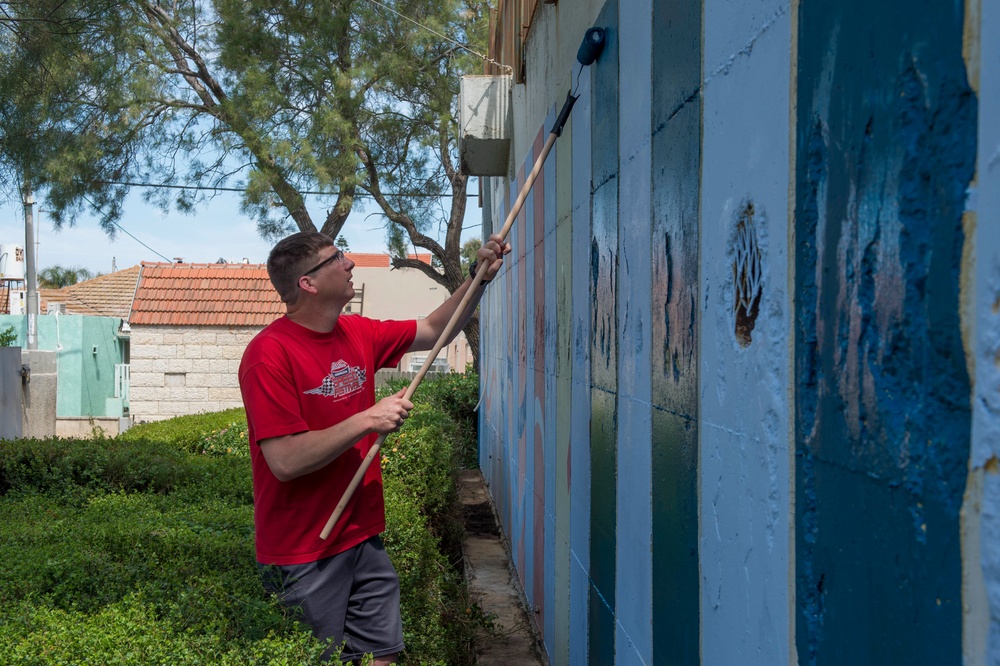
331, 275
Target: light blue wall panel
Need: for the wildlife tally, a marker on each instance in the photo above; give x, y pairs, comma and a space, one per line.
634, 604
582, 298
983, 624
745, 456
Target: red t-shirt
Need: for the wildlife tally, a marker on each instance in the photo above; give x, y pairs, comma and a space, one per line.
294, 379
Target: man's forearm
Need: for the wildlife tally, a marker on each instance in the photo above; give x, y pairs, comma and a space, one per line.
438, 320
292, 456
471, 309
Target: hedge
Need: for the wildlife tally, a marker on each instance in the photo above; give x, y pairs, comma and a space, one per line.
139, 549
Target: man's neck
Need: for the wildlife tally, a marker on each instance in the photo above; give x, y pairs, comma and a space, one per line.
321, 321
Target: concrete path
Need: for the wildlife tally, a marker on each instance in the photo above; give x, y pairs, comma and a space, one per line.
493, 582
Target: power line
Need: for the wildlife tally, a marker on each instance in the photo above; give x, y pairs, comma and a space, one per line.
140, 242
508, 68
208, 188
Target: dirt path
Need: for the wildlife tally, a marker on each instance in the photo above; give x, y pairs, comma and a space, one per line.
493, 581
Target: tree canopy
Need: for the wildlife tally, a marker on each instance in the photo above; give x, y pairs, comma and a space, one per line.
291, 102
57, 277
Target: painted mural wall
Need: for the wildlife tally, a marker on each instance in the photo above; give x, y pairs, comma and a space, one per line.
741, 371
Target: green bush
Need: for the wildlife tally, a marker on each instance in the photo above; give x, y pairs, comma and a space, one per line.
98, 465
186, 432
84, 564
8, 337
455, 395
131, 632
139, 549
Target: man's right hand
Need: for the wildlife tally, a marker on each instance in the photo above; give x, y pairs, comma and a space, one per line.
390, 412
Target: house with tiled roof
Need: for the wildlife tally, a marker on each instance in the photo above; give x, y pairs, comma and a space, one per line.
103, 296
84, 326
191, 322
189, 326
404, 294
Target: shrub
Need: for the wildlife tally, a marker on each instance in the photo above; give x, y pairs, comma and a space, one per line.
98, 465
139, 549
8, 336
455, 395
185, 432
189, 561
131, 632
231, 440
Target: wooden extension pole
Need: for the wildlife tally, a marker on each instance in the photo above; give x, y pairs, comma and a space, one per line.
459, 312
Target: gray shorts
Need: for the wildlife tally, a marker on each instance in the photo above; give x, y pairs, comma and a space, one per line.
352, 597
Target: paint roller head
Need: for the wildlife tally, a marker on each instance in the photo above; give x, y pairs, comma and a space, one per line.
590, 49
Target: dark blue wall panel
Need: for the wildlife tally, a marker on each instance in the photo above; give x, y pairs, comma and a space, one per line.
676, 132
885, 150
604, 352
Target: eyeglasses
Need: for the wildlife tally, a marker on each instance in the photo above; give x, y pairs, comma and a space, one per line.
336, 256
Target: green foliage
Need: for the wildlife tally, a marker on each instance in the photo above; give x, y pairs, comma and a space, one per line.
419, 468
456, 395
342, 97
231, 440
469, 250
92, 466
422, 458
188, 433
56, 277
8, 337
139, 549
97, 565
130, 631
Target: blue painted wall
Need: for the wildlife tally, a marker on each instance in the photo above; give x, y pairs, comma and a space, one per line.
729, 414
886, 140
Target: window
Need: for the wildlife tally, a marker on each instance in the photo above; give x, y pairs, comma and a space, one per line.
440, 364
174, 378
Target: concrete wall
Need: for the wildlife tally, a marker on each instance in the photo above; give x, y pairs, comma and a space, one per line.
179, 370
742, 397
408, 294
39, 393
86, 427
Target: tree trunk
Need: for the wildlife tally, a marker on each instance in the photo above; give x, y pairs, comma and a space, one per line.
472, 337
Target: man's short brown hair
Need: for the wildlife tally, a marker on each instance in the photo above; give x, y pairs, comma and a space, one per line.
290, 258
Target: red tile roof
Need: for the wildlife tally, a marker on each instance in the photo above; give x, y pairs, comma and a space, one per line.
374, 260
103, 296
218, 294
205, 295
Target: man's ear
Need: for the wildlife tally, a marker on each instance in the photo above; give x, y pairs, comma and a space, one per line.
305, 284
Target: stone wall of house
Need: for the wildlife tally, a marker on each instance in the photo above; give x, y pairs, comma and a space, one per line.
179, 370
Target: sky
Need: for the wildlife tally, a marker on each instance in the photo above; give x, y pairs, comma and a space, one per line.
217, 230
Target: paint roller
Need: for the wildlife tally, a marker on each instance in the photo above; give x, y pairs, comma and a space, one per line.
588, 53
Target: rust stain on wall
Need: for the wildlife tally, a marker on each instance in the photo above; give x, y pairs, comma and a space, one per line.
746, 275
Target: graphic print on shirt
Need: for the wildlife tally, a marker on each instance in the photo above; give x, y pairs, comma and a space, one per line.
342, 381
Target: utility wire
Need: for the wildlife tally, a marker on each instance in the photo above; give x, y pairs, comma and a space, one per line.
207, 188
140, 242
507, 68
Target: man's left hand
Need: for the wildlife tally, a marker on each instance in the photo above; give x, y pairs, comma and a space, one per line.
491, 254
